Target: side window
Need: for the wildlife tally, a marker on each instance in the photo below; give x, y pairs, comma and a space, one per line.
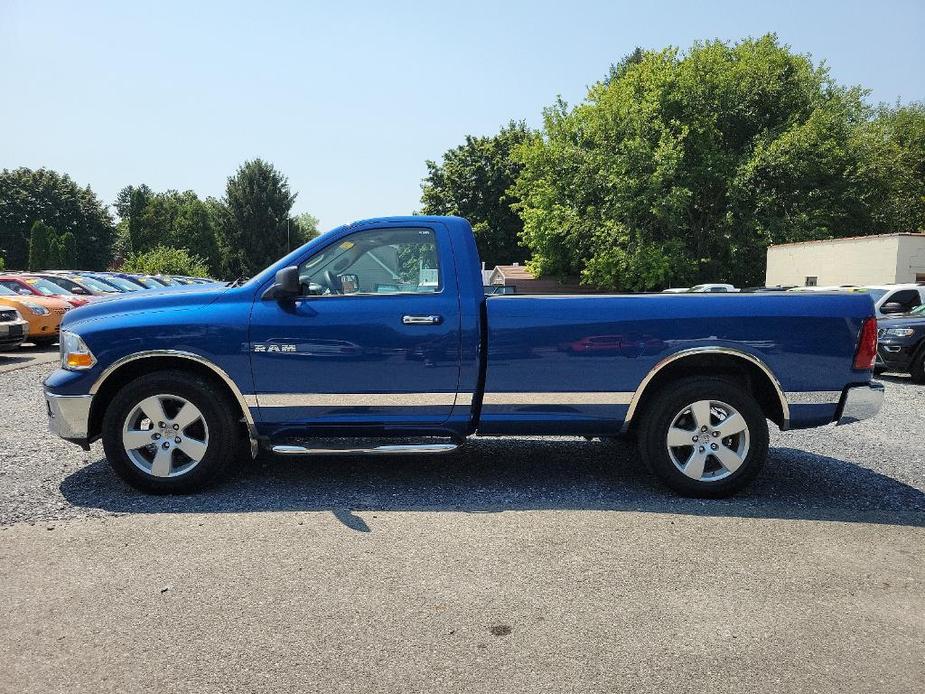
380, 261
908, 298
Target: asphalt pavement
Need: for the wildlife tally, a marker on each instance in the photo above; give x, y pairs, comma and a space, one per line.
516, 564
27, 355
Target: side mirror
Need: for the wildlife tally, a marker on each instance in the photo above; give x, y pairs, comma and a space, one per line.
24, 292
80, 290
286, 285
892, 307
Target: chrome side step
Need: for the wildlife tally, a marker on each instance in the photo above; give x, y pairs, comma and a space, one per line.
395, 449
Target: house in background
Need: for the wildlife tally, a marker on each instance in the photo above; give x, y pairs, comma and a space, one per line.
517, 279
859, 260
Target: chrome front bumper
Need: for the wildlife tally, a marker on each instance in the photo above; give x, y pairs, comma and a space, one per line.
860, 402
69, 415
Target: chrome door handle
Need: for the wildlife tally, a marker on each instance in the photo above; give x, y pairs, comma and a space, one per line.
422, 320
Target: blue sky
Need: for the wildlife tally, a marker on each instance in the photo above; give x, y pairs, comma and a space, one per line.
349, 99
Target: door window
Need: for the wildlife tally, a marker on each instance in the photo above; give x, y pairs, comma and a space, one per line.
379, 261
907, 298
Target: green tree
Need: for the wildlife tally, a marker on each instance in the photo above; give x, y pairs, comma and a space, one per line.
49, 250
180, 220
474, 181
892, 168
305, 228
41, 237
253, 218
681, 168
168, 261
28, 195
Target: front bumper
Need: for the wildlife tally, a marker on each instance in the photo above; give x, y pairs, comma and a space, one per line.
13, 332
69, 416
895, 356
860, 402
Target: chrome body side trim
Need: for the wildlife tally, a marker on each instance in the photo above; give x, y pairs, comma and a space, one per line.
68, 415
671, 358
813, 397
559, 398
354, 399
245, 408
861, 402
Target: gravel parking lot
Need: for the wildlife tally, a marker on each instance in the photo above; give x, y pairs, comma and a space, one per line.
516, 564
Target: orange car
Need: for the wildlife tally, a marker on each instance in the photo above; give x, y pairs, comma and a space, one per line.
43, 313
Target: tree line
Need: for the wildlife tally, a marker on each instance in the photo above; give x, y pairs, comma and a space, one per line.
47, 221
682, 167
676, 168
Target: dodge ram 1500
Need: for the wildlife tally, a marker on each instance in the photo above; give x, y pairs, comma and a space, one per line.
377, 338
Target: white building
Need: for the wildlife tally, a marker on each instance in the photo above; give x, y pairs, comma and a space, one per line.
859, 260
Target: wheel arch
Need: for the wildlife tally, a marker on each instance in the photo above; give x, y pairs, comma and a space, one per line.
124, 370
747, 369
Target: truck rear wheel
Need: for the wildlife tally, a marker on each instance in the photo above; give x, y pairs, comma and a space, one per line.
704, 437
169, 433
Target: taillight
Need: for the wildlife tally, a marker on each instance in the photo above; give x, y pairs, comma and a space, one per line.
866, 355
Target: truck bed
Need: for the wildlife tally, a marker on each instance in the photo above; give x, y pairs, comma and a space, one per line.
582, 358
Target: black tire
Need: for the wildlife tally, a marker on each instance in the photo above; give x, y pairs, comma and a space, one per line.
660, 414
224, 439
917, 369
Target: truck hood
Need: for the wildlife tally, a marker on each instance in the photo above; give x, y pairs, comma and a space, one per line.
145, 301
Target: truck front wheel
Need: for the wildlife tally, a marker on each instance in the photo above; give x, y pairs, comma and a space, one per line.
171, 432
704, 437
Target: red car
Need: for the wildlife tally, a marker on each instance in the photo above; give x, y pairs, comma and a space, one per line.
24, 285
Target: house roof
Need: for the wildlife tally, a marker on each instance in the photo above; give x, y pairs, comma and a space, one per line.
519, 276
513, 272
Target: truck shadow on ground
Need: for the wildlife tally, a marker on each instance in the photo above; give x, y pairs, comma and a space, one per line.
494, 475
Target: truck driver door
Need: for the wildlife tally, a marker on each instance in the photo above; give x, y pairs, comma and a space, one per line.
374, 338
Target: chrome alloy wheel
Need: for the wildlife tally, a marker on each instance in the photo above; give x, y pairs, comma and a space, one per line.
708, 440
165, 436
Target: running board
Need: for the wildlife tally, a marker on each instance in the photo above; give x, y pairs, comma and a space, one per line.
396, 449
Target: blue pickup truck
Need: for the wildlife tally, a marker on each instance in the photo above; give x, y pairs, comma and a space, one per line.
377, 338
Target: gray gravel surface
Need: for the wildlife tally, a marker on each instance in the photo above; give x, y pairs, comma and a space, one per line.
872, 470
515, 565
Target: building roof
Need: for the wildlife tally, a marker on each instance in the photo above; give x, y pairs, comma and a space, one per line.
519, 276
917, 234
514, 272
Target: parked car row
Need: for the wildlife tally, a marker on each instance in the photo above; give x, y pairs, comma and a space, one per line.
32, 304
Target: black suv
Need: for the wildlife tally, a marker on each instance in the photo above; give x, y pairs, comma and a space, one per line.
901, 344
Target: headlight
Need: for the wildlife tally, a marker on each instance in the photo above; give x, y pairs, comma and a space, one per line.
899, 332
35, 308
75, 355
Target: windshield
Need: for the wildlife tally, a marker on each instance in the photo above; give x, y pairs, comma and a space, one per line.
149, 282
122, 283
96, 285
875, 294
918, 311
46, 287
